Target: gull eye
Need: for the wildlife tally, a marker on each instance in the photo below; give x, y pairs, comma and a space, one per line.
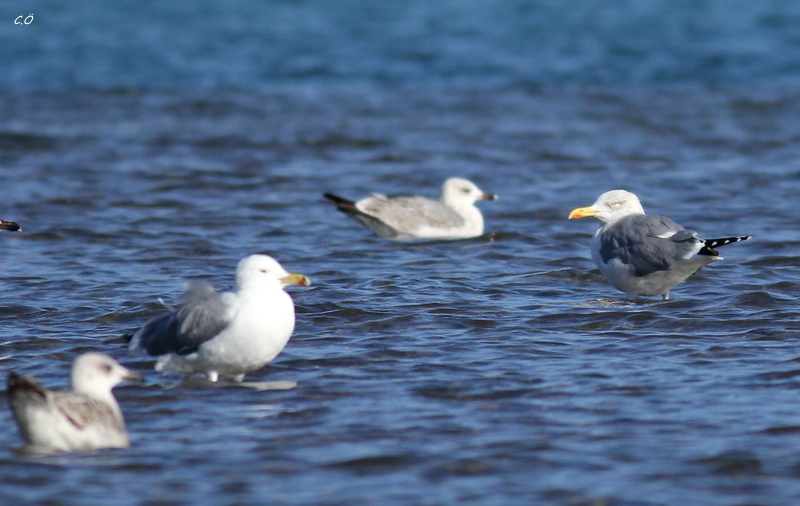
106, 368
465, 190
616, 203
263, 270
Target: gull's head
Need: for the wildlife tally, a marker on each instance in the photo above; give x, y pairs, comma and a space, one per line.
610, 206
95, 374
264, 271
457, 191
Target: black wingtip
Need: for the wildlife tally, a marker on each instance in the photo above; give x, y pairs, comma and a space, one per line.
711, 244
18, 383
13, 381
340, 202
349, 208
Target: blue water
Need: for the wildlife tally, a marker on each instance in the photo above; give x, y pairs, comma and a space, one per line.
209, 44
145, 143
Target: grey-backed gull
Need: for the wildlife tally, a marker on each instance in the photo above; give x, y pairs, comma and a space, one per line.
645, 254
225, 333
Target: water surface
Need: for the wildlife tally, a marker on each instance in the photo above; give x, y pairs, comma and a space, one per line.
496, 370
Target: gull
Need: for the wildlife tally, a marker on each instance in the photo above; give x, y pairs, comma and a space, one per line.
84, 418
11, 226
225, 333
453, 216
645, 254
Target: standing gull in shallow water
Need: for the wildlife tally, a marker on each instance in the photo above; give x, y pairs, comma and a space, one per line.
84, 418
225, 333
645, 254
453, 216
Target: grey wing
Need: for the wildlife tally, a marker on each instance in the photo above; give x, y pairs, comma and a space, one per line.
648, 243
201, 315
406, 214
349, 208
82, 411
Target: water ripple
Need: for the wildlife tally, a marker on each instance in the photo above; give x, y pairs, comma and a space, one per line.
502, 369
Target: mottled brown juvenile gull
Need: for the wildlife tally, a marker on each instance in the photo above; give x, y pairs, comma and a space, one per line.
84, 418
645, 254
453, 216
225, 333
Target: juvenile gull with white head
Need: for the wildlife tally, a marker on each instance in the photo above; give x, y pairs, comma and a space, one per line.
84, 418
645, 254
453, 216
225, 333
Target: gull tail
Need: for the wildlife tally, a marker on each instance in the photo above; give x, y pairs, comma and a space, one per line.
349, 208
710, 244
19, 385
341, 203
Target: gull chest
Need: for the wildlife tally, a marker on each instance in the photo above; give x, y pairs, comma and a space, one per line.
258, 331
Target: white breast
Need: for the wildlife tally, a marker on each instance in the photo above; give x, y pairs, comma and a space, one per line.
259, 331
